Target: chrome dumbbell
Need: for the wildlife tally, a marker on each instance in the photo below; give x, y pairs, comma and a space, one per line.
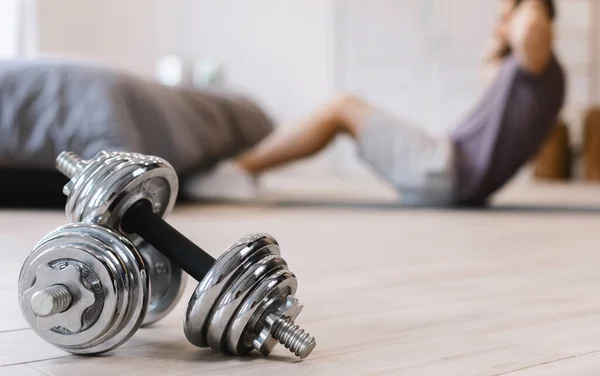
84, 288
101, 191
244, 300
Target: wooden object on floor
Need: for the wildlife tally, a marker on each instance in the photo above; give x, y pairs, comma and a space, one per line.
554, 160
591, 145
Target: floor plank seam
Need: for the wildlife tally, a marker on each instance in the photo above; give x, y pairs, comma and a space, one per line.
548, 362
14, 330
33, 361
27, 363
38, 370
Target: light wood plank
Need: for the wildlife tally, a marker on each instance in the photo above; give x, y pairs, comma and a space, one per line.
585, 365
21, 370
12, 319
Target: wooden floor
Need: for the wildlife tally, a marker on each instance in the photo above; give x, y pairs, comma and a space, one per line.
510, 291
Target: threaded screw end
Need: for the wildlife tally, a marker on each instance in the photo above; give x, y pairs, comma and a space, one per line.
69, 163
294, 338
50, 301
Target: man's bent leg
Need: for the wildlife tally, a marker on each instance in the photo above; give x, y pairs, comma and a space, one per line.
343, 115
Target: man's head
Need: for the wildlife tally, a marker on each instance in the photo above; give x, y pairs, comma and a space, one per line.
508, 8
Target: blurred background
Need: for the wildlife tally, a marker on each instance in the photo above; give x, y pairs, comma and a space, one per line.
416, 58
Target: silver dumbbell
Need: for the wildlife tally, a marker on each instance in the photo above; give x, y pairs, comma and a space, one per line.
101, 192
84, 288
244, 300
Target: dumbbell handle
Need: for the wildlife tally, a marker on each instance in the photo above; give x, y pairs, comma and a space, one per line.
141, 220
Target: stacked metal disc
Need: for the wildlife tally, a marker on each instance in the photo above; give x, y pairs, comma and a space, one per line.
92, 198
249, 282
84, 289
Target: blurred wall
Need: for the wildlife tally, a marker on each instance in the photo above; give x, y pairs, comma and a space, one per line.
115, 32
577, 33
9, 16
596, 50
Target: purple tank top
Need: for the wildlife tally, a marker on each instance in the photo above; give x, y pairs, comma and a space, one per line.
506, 128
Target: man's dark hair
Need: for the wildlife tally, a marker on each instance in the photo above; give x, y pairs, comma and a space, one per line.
549, 5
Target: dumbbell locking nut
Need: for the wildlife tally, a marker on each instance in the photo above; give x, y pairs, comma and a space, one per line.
50, 301
244, 300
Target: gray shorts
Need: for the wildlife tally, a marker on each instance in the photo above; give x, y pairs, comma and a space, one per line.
421, 166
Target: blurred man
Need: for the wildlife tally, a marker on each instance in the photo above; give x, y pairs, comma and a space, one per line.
506, 128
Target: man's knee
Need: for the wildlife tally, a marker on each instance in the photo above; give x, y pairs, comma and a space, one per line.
350, 111
346, 102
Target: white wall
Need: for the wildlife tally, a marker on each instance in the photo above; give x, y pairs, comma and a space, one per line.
596, 50
9, 16
116, 32
282, 51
